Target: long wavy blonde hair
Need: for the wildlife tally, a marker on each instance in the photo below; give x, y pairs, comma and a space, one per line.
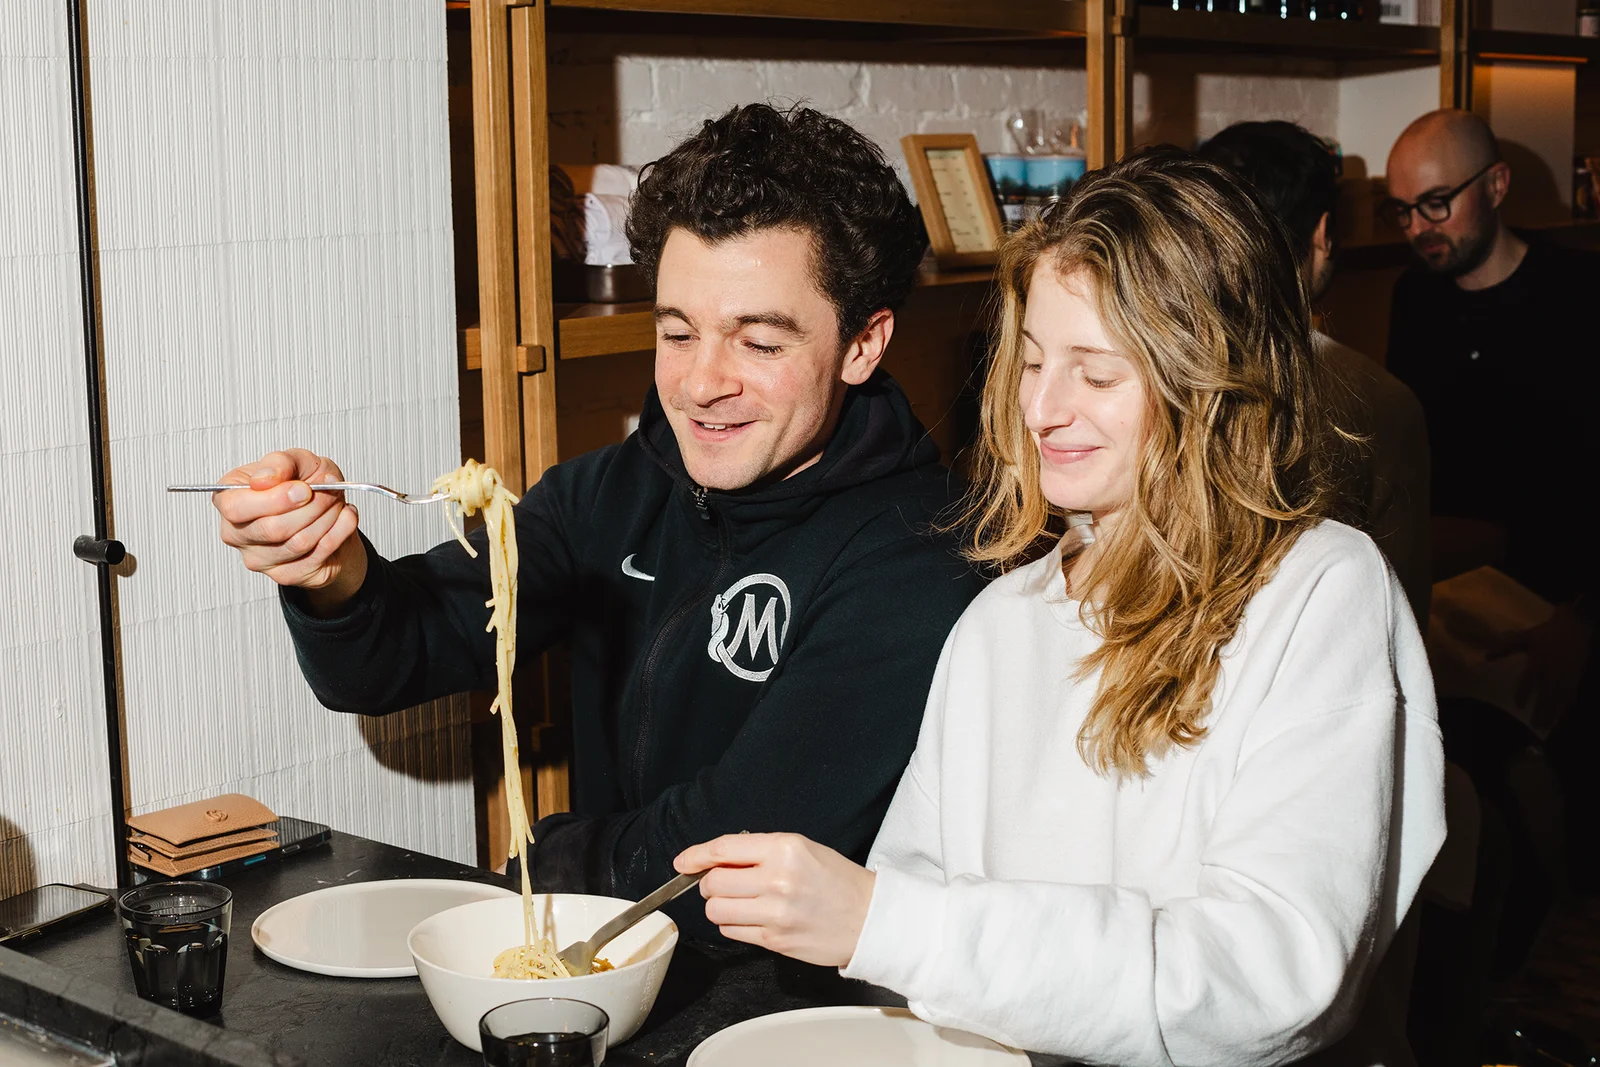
1196, 284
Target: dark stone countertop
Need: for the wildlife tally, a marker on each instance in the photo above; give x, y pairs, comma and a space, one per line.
352, 1022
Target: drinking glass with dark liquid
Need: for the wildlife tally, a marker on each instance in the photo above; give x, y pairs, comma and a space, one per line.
177, 934
545, 1032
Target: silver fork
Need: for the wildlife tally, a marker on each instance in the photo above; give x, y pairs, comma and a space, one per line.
579, 957
324, 487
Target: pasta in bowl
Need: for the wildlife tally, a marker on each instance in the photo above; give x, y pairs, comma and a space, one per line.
455, 952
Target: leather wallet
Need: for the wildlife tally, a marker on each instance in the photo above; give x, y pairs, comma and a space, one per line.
200, 848
188, 823
190, 837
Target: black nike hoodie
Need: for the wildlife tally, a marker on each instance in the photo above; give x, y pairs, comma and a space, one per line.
752, 660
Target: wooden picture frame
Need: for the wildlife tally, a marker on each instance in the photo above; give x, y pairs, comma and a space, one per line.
955, 197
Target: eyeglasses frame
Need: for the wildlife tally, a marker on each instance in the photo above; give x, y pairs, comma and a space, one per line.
1391, 208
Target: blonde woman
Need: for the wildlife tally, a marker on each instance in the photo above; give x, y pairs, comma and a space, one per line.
1179, 775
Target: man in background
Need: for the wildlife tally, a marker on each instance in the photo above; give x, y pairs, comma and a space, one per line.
1386, 490
1496, 333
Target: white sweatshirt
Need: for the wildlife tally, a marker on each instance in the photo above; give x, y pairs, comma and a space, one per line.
1228, 909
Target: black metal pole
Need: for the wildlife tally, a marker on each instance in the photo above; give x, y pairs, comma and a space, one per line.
100, 551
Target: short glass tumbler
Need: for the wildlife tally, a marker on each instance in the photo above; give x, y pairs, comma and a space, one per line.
547, 1032
177, 935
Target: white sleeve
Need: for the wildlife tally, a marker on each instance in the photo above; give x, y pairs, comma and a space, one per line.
909, 839
1307, 869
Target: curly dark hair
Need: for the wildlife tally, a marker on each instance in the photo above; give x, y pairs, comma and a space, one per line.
757, 167
1290, 168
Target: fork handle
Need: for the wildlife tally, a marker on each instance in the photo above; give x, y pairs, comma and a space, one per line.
332, 487
669, 892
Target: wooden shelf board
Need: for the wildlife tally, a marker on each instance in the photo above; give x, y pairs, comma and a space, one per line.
1549, 47
976, 276
584, 330
1041, 18
1230, 32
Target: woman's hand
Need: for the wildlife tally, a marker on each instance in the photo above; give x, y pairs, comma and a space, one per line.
783, 892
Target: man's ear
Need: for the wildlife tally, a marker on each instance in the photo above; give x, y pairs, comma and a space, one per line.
1319, 236
861, 355
1499, 183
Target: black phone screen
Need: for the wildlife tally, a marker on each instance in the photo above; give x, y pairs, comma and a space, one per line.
28, 912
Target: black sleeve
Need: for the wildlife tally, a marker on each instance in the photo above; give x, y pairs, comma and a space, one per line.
822, 751
417, 628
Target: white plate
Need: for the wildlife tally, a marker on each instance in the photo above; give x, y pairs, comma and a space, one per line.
360, 930
849, 1037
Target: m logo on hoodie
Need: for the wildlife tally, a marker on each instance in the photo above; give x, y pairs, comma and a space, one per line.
751, 652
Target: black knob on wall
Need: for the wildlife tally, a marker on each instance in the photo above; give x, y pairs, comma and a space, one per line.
91, 550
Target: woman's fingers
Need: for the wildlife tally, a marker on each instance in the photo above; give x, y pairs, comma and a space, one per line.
729, 850
737, 882
742, 911
783, 892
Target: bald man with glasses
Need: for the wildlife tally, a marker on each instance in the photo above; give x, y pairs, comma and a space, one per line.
1498, 334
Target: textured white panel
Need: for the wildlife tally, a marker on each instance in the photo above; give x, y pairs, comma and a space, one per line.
629, 99
274, 211
54, 803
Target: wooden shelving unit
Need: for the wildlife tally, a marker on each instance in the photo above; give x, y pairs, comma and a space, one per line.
1028, 18
1163, 29
521, 332
1546, 47
587, 330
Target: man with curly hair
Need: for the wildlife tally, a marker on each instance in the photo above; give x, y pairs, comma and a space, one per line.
751, 585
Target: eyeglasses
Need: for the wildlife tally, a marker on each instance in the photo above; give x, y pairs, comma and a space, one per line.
1434, 207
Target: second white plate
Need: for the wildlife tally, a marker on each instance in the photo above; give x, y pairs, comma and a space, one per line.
849, 1037
360, 930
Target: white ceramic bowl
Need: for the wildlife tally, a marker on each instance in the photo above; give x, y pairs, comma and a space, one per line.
455, 950
360, 930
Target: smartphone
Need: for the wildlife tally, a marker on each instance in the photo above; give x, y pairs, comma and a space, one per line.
30, 914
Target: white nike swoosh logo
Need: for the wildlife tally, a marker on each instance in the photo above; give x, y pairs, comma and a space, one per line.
631, 572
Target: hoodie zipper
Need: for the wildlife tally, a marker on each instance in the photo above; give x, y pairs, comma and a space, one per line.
647, 675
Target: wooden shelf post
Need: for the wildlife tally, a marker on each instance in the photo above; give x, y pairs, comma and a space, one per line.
516, 317
1109, 63
497, 254
530, 109
1455, 54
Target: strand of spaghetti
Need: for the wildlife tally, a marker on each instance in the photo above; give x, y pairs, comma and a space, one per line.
473, 488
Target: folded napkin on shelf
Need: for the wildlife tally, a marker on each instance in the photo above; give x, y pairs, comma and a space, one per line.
588, 210
190, 837
605, 242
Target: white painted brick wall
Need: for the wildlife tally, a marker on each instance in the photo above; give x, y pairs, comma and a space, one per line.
630, 99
